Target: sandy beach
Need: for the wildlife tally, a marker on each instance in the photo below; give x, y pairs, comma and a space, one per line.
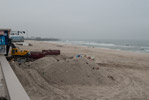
110, 75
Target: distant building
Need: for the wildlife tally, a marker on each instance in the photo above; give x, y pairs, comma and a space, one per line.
17, 38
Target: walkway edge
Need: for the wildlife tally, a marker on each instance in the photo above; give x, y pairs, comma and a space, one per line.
15, 89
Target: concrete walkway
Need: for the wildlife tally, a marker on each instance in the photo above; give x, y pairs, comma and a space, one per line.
2, 86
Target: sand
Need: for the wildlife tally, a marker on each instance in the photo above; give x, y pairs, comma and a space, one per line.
112, 75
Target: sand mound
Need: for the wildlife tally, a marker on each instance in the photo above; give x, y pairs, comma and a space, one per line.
79, 71
43, 78
36, 86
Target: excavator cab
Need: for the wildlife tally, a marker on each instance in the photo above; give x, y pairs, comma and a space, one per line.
17, 52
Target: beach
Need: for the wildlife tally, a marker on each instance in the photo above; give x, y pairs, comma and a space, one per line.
97, 74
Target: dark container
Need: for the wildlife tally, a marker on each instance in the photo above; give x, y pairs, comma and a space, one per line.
37, 55
51, 52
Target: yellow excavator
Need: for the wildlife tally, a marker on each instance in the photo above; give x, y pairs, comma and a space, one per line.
16, 52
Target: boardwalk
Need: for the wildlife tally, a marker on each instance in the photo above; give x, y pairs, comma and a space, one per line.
2, 87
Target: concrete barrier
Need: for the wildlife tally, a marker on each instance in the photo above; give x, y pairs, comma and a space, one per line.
14, 87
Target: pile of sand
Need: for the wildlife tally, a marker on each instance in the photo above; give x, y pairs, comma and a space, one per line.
78, 71
42, 77
36, 86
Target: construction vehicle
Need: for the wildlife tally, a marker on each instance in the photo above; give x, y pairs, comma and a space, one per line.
30, 55
27, 55
16, 52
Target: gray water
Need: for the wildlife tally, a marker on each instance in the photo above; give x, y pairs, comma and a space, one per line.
141, 46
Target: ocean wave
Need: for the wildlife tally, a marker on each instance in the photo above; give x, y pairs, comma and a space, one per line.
147, 50
117, 46
88, 43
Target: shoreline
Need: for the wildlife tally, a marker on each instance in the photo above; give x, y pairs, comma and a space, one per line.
59, 42
104, 48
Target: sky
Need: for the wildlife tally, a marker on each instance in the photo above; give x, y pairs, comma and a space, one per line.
77, 19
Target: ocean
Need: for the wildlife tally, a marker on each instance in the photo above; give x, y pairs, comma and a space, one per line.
141, 46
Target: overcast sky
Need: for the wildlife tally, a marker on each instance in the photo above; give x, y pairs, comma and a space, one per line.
78, 19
